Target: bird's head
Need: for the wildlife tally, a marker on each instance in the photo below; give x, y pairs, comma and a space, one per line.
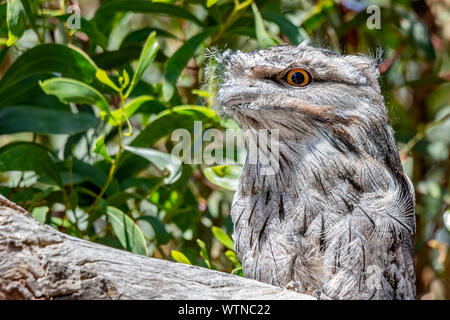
299, 88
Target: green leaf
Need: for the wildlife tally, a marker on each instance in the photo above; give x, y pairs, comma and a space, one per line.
170, 120
438, 98
132, 107
210, 3
421, 40
100, 149
163, 161
124, 79
15, 19
179, 257
318, 15
43, 194
202, 93
139, 36
240, 31
69, 90
28, 156
295, 34
23, 91
263, 37
418, 33
50, 58
148, 55
30, 11
90, 29
103, 77
145, 184
165, 1
120, 198
223, 237
43, 120
162, 236
109, 241
117, 59
90, 173
57, 223
237, 272
105, 14
179, 60
356, 21
40, 214
163, 125
3, 54
232, 257
130, 235
204, 252
224, 176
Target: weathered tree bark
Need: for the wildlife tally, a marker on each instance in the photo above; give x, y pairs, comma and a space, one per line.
38, 262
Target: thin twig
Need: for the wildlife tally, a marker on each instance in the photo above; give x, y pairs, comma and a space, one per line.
422, 133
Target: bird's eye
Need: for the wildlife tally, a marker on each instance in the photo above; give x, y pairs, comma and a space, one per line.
297, 77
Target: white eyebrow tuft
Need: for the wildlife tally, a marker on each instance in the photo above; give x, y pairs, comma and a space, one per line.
303, 44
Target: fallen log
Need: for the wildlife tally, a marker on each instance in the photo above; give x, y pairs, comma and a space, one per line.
38, 262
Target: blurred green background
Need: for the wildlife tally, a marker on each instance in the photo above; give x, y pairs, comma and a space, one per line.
92, 90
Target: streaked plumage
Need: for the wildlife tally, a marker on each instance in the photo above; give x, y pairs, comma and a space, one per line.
337, 219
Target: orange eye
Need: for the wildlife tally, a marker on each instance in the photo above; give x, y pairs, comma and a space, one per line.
298, 77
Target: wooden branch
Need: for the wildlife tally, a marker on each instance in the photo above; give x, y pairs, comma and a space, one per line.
38, 262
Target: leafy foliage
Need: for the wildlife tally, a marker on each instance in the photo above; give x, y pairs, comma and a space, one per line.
86, 115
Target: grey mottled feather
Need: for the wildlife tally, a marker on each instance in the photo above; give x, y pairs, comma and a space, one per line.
337, 219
